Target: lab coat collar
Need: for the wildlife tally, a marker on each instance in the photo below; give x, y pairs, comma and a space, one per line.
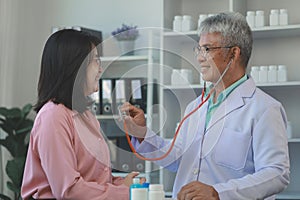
234, 101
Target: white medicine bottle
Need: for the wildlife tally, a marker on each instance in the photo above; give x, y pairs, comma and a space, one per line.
282, 73
263, 74
272, 74
177, 23
283, 17
255, 73
176, 78
156, 192
274, 17
187, 23
260, 18
202, 17
251, 18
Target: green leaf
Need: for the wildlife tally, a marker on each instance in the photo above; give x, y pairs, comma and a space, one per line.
25, 126
15, 123
4, 112
26, 109
14, 113
10, 144
14, 170
7, 128
12, 187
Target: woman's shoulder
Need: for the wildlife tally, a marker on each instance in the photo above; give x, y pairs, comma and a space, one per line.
53, 111
52, 115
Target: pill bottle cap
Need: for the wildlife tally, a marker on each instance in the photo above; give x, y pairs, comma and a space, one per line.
178, 17
263, 67
156, 187
274, 11
281, 67
272, 67
260, 12
188, 17
252, 13
283, 11
202, 16
146, 185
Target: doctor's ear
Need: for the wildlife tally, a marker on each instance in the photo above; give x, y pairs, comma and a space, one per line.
235, 52
232, 56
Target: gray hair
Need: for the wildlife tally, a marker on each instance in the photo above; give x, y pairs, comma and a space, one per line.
234, 29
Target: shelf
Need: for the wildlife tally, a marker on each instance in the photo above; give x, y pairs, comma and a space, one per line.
123, 174
263, 32
176, 34
291, 140
180, 35
123, 58
198, 86
288, 195
178, 87
107, 116
277, 84
276, 31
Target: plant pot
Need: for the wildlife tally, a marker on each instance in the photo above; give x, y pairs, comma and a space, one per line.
126, 47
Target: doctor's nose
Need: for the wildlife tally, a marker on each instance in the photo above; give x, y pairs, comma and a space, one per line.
201, 58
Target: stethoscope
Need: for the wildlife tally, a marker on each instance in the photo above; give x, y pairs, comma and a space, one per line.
203, 101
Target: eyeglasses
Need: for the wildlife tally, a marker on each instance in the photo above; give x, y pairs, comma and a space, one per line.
203, 50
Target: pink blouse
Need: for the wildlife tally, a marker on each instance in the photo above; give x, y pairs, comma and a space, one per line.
68, 158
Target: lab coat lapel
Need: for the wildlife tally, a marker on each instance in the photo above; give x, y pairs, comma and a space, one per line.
196, 125
218, 120
230, 104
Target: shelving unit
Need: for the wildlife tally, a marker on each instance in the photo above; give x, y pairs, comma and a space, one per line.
124, 58
129, 66
104, 117
198, 86
272, 45
261, 32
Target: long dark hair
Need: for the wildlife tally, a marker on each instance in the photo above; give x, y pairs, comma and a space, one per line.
63, 69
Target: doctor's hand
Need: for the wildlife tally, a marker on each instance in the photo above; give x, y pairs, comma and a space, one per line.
197, 191
135, 120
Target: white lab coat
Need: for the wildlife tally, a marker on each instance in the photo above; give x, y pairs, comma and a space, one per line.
244, 153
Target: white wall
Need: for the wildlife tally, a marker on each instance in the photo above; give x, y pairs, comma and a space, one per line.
25, 25
30, 25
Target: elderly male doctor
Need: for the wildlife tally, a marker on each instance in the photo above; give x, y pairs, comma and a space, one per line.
233, 147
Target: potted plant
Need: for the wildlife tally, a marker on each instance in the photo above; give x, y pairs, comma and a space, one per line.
16, 124
126, 35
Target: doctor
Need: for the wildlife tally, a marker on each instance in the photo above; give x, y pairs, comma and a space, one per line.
234, 146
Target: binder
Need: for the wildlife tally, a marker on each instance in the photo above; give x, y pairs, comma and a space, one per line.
138, 93
120, 94
106, 97
117, 91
